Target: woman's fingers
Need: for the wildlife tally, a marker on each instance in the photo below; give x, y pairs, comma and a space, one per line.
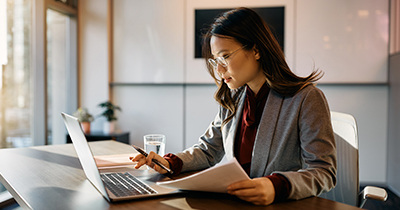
259, 191
139, 159
149, 160
152, 155
142, 160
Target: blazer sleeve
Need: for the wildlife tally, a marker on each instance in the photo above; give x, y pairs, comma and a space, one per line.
208, 151
318, 149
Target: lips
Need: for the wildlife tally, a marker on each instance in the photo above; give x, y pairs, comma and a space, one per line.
227, 79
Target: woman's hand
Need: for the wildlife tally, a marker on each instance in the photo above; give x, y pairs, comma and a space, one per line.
259, 191
142, 160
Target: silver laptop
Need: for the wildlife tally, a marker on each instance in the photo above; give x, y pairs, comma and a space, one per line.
119, 186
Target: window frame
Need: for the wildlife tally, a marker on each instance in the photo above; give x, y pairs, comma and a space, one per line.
39, 65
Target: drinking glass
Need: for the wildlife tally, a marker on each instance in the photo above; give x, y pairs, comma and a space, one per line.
155, 143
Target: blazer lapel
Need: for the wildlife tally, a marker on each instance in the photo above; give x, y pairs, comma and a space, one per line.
265, 134
232, 126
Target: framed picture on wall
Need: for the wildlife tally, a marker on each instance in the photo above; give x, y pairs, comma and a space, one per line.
279, 15
273, 16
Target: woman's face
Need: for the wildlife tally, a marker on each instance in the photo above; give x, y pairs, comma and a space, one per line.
243, 66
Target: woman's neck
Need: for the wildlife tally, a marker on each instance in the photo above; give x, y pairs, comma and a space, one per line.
256, 85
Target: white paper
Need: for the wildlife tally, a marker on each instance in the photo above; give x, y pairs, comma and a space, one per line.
114, 161
214, 179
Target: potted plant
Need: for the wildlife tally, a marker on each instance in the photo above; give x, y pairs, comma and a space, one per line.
84, 118
109, 113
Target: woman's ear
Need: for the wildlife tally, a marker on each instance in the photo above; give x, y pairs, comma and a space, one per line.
256, 52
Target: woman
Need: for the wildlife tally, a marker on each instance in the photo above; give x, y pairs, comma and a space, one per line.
276, 124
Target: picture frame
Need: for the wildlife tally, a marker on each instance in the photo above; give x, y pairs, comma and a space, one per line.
196, 70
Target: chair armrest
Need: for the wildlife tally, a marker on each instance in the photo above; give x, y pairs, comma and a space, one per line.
373, 193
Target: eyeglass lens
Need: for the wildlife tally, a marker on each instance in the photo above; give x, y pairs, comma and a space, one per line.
220, 60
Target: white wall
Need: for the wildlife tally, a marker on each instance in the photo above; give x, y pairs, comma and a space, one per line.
348, 40
183, 111
148, 41
150, 110
201, 109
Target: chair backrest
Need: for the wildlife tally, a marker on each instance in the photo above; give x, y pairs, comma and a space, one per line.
347, 186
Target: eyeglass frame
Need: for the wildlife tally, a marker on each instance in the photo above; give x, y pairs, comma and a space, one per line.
222, 59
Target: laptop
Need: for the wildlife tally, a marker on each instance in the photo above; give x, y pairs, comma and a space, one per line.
124, 185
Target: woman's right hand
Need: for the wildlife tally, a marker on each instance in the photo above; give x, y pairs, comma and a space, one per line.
142, 160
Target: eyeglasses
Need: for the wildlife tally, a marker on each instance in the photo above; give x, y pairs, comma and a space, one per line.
222, 60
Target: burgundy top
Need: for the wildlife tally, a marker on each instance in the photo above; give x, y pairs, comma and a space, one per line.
244, 142
247, 129
246, 134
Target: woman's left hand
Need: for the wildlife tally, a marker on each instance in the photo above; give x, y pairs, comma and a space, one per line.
259, 191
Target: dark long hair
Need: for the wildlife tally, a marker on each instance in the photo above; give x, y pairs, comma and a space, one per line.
248, 28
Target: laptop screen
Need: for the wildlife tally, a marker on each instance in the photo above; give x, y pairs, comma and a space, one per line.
84, 153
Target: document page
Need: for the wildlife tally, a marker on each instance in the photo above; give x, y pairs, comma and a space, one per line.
119, 160
214, 179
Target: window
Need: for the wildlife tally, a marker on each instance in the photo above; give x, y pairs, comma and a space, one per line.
15, 95
61, 73
15, 115
33, 94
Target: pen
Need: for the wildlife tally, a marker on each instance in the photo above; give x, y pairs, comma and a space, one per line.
141, 151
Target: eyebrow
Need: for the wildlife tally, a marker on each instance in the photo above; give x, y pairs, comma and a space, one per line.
219, 52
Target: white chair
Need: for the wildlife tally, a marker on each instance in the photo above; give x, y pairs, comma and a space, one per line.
347, 186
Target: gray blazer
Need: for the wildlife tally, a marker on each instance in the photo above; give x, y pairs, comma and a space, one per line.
294, 138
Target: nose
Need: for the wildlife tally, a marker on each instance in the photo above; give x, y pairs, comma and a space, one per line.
220, 69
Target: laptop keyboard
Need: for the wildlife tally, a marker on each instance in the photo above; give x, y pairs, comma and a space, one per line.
125, 184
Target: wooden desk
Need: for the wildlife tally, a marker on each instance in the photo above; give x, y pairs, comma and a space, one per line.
51, 177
